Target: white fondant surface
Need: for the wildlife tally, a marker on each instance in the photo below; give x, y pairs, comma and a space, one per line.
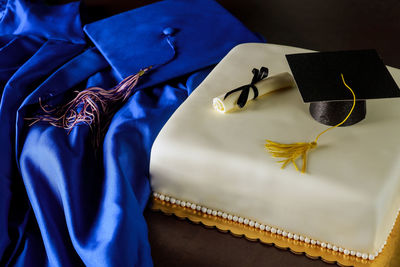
351, 192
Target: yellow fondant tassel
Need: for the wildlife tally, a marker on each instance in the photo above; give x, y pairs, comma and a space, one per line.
291, 152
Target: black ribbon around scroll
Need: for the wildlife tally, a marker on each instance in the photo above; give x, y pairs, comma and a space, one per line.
258, 75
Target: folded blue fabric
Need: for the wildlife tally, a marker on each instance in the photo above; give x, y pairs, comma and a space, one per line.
61, 204
22, 18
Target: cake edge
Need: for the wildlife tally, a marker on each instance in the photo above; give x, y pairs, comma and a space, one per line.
255, 231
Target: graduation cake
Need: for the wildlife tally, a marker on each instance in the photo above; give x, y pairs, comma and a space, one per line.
347, 200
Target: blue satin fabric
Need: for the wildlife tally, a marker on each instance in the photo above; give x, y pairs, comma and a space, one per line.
60, 204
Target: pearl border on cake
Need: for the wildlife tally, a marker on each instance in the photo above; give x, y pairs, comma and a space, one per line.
268, 228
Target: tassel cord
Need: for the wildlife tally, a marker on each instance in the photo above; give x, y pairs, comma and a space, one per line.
348, 115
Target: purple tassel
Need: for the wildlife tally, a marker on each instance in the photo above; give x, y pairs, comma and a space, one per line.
94, 106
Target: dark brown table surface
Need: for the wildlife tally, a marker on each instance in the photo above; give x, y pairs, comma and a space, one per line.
314, 24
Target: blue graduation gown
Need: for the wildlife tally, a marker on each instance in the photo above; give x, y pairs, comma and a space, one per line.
60, 204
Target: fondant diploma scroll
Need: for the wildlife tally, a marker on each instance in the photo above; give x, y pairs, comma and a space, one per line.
259, 86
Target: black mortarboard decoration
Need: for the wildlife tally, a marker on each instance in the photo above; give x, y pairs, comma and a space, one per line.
337, 84
318, 78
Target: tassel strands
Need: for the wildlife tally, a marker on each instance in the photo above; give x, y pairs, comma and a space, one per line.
93, 106
291, 152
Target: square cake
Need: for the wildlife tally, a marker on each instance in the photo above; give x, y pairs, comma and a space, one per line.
347, 201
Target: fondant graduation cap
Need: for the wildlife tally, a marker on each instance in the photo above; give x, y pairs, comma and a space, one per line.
337, 84
318, 77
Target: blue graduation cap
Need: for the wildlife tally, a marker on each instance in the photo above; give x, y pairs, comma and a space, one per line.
162, 34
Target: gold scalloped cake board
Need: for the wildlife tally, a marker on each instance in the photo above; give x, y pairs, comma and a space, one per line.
390, 255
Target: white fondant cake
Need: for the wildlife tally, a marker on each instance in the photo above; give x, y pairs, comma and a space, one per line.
349, 197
